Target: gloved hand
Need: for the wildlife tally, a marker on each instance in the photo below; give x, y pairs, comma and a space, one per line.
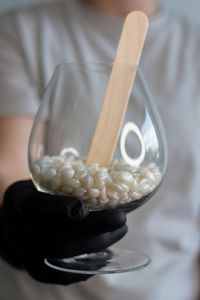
35, 225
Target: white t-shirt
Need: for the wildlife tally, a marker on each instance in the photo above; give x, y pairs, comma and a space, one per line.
32, 43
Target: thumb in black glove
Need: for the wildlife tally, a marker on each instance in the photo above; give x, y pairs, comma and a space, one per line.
35, 225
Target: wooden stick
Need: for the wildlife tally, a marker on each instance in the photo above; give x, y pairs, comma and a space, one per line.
118, 90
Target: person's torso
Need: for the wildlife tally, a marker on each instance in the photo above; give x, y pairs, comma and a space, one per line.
167, 227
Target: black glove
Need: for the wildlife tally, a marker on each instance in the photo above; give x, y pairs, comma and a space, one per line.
35, 225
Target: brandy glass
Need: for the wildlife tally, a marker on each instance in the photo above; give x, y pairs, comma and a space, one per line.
59, 144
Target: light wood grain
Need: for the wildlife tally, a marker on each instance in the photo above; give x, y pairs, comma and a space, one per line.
118, 90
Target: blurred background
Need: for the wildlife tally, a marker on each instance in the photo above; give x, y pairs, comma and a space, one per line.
188, 8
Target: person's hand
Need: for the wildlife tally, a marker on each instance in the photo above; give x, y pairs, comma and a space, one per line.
36, 225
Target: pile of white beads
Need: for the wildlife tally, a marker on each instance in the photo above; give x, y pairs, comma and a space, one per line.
98, 187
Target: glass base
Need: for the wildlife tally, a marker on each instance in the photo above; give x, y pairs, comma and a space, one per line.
113, 260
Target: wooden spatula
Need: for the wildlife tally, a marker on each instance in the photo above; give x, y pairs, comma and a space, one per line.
118, 90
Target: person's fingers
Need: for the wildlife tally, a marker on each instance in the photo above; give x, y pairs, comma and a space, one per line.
64, 246
5, 250
24, 200
103, 221
86, 244
99, 242
57, 230
42, 273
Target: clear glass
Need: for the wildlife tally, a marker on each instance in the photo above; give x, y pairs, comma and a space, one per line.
59, 145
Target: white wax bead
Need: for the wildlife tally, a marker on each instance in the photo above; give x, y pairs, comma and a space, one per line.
124, 186
133, 169
99, 185
92, 171
104, 170
143, 171
157, 181
152, 187
37, 176
57, 166
53, 172
136, 195
81, 174
152, 166
94, 193
157, 176
150, 176
106, 188
101, 175
78, 166
44, 167
126, 168
117, 187
112, 173
47, 175
98, 182
113, 203
130, 199
133, 185
36, 169
73, 183
66, 165
126, 176
37, 163
67, 190
49, 161
117, 168
140, 188
46, 157
103, 195
146, 189
79, 192
137, 174
121, 201
108, 180
115, 177
144, 181
88, 182
46, 184
68, 173
112, 195
55, 183
93, 166
125, 200
124, 197
58, 159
